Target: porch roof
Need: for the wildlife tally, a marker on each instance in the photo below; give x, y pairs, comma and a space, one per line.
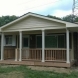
66, 24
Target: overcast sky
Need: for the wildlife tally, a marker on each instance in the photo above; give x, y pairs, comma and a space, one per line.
57, 8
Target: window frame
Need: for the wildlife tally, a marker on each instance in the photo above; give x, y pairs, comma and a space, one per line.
64, 41
10, 39
57, 41
52, 35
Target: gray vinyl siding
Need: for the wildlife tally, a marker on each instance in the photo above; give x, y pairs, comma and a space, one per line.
31, 22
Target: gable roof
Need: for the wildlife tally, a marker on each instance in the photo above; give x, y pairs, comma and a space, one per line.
39, 16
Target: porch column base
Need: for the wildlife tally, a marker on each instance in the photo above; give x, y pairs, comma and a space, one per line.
68, 62
20, 60
16, 55
2, 59
16, 60
42, 61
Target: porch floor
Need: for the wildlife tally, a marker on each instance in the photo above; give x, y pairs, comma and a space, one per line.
36, 63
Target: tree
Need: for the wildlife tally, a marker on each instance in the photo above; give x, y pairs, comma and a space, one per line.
54, 17
6, 19
70, 18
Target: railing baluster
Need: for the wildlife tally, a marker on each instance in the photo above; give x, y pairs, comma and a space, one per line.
40, 54
37, 54
61, 54
32, 54
50, 54
45, 55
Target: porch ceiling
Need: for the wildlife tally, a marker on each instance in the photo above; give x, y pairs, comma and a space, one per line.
73, 29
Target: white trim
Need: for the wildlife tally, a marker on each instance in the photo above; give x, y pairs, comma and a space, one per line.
17, 38
67, 40
33, 29
11, 37
43, 46
20, 45
2, 46
51, 34
72, 45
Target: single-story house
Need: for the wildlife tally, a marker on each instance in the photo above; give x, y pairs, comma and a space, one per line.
34, 39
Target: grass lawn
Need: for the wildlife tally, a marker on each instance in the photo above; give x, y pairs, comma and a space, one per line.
25, 72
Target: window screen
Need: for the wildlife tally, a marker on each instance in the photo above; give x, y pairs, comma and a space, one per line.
39, 41
61, 41
50, 41
8, 40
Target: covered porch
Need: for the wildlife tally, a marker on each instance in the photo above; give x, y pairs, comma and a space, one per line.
39, 40
40, 46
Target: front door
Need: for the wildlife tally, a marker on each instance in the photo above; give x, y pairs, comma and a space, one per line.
25, 54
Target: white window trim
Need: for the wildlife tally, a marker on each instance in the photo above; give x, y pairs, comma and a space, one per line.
8, 43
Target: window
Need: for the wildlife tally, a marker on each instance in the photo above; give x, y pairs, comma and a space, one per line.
61, 41
8, 40
39, 41
52, 41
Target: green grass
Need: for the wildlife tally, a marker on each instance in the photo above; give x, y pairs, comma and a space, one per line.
24, 72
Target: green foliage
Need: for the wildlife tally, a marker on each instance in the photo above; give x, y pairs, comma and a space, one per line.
6, 19
68, 18
28, 73
54, 17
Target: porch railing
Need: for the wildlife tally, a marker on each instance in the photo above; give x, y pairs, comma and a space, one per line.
50, 54
32, 54
55, 54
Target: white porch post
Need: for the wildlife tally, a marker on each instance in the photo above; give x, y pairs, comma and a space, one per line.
43, 46
16, 50
20, 48
67, 43
2, 46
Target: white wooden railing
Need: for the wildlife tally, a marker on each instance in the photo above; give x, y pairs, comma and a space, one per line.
36, 54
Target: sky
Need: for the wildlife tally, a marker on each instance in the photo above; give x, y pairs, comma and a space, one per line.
59, 8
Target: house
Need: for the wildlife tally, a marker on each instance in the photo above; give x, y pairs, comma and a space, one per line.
34, 39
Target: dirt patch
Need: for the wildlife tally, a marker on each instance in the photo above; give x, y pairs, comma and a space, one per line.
5, 66
59, 70
12, 75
